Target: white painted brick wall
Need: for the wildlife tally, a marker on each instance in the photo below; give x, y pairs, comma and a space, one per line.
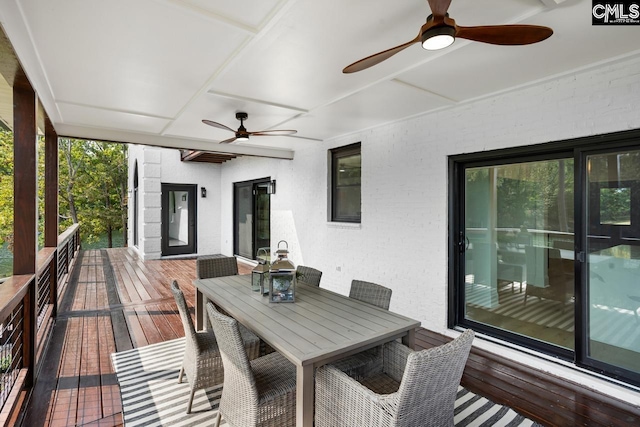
207, 175
157, 166
149, 169
402, 241
249, 168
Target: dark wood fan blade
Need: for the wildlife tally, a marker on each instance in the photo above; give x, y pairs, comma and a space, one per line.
226, 141
217, 125
439, 7
505, 34
377, 58
274, 132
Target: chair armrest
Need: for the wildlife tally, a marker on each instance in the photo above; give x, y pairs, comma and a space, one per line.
395, 359
341, 400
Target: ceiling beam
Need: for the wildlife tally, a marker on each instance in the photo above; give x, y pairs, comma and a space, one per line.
80, 132
206, 157
189, 155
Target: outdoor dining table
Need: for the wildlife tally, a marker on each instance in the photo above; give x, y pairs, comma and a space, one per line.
320, 327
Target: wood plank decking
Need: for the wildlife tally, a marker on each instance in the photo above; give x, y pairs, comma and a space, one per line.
115, 302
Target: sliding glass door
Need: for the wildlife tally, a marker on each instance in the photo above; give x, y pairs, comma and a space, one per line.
518, 254
612, 245
545, 250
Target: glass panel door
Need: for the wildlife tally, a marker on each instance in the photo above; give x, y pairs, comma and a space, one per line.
518, 258
178, 219
613, 260
243, 222
252, 217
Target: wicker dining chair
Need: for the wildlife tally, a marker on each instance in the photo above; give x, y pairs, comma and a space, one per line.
309, 275
413, 388
261, 392
371, 293
361, 364
202, 362
209, 266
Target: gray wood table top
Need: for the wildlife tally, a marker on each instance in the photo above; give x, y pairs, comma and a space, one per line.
317, 326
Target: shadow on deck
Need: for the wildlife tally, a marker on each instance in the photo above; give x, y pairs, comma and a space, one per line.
116, 302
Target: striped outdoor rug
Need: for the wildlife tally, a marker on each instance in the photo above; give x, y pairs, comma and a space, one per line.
151, 395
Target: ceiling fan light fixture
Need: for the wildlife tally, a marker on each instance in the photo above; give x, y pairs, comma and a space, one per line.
242, 138
437, 38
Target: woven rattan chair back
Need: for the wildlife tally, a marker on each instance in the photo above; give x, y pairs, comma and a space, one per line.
187, 322
371, 293
209, 266
430, 383
239, 401
201, 362
309, 275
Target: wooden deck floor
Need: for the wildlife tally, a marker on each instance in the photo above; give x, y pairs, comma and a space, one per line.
116, 302
113, 302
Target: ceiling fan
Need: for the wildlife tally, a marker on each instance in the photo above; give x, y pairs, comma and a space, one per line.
441, 31
242, 134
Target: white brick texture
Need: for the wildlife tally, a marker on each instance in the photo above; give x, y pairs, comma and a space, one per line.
402, 240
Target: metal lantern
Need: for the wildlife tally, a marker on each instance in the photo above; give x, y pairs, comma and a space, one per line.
260, 274
282, 277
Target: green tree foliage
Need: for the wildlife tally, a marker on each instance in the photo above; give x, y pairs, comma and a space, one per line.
615, 206
93, 187
6, 187
41, 168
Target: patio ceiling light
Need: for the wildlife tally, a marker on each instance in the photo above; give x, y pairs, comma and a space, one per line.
436, 38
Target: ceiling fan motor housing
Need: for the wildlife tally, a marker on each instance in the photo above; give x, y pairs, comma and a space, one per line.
242, 134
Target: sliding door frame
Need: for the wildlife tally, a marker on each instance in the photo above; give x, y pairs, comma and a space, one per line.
577, 149
582, 314
254, 185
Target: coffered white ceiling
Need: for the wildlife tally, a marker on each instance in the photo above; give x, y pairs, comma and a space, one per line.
149, 71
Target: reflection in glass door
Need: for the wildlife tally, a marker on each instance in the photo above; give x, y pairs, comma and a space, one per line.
263, 216
252, 217
613, 261
135, 204
178, 219
518, 251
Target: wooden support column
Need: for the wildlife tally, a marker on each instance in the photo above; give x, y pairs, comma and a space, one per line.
25, 192
25, 223
50, 185
51, 207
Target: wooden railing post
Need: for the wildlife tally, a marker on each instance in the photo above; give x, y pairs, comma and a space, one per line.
25, 208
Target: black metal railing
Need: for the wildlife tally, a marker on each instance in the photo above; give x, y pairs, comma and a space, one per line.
11, 349
28, 306
15, 339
